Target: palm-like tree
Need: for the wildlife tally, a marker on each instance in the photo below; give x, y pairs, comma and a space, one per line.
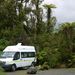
49, 8
68, 29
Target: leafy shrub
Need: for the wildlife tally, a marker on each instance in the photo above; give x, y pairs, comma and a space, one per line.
52, 57
45, 66
3, 44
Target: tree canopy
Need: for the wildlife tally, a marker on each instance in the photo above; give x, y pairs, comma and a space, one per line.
24, 21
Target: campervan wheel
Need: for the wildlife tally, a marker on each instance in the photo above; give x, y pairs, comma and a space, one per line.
13, 67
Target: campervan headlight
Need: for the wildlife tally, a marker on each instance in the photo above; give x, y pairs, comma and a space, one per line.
2, 63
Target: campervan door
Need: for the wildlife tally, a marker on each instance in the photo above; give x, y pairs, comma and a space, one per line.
27, 58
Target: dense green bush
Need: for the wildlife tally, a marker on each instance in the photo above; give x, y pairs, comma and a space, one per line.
3, 44
45, 66
52, 57
54, 46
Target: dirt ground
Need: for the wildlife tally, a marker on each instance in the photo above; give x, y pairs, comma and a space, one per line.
47, 72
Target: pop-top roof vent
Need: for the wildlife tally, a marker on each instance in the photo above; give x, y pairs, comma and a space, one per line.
19, 44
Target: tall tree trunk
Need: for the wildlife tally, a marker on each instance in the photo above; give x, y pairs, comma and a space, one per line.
37, 8
48, 18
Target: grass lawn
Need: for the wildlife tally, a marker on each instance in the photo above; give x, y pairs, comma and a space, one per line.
2, 72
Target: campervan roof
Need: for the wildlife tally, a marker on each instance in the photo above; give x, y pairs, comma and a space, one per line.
20, 48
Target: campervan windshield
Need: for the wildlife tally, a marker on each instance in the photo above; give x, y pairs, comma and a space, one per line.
7, 54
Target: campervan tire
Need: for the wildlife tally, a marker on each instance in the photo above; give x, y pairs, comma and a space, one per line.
13, 67
33, 64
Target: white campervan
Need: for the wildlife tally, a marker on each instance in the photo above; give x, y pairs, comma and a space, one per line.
17, 56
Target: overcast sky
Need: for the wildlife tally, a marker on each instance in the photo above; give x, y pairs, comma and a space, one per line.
65, 11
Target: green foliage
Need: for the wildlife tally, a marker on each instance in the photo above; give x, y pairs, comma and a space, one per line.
67, 43
49, 54
2, 72
45, 66
49, 6
26, 24
3, 44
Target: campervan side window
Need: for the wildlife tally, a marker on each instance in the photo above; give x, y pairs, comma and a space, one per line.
27, 54
17, 56
23, 55
31, 54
